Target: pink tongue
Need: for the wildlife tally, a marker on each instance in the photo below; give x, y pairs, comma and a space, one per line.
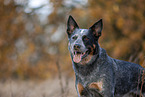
77, 58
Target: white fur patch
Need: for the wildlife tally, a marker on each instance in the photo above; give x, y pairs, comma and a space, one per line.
82, 31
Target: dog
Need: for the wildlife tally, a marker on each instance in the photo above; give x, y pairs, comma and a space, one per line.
111, 77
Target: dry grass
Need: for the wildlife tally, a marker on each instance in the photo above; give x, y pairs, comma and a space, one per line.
47, 88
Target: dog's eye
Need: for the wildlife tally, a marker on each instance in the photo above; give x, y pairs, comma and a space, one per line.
85, 38
75, 37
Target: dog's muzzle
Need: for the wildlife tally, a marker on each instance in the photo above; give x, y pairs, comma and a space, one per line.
78, 56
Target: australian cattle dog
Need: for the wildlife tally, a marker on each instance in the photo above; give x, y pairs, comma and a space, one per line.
97, 74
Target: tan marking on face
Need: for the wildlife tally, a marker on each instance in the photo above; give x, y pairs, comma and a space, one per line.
86, 60
97, 85
80, 88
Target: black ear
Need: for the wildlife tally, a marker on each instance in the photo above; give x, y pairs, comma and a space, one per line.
71, 25
97, 28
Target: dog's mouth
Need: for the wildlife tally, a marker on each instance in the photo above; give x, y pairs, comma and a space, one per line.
78, 56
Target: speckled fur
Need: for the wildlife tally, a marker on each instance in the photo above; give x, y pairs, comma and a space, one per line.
120, 78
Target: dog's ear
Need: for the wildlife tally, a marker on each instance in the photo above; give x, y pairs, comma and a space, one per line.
97, 28
71, 25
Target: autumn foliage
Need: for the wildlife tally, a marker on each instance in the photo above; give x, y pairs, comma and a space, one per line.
30, 47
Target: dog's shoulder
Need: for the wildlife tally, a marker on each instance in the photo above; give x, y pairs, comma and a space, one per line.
119, 67
117, 63
127, 65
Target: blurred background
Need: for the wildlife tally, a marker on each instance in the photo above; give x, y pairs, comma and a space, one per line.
34, 56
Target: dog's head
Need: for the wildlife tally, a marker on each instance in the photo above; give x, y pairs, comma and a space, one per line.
83, 43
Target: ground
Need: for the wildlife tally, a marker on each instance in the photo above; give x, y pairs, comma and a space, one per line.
47, 88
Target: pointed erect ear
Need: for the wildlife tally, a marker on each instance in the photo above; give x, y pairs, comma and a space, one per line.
97, 28
71, 25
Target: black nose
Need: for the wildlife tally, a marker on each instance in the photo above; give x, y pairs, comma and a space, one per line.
77, 46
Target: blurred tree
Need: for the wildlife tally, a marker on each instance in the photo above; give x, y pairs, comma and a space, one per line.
11, 26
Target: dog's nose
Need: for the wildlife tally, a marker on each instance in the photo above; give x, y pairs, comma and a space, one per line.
77, 46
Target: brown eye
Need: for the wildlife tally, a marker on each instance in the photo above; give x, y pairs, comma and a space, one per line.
85, 38
75, 37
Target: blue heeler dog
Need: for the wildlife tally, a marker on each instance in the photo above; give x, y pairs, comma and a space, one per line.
97, 74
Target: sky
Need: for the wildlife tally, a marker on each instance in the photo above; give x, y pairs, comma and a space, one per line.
47, 8
42, 12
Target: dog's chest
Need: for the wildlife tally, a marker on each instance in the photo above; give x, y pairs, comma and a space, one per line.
92, 77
